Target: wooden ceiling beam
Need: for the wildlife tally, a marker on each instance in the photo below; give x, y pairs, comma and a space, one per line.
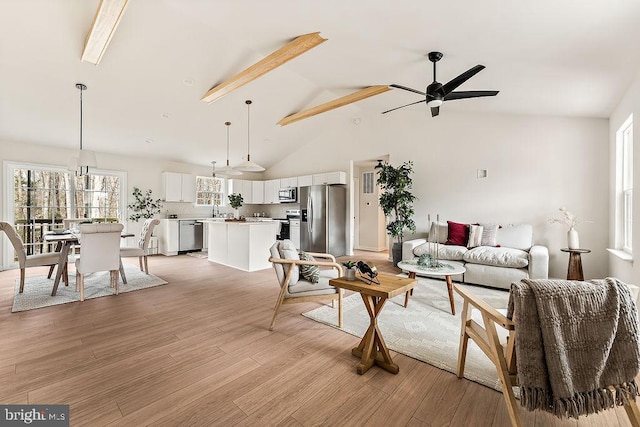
294, 48
336, 103
104, 25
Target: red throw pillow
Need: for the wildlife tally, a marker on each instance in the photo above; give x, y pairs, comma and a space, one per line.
458, 234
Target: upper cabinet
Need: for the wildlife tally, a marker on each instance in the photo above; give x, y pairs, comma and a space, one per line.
178, 187
257, 192
305, 180
330, 178
289, 182
244, 188
271, 188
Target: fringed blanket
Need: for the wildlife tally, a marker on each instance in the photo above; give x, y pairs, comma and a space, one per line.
576, 345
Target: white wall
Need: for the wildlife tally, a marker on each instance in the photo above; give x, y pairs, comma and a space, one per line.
630, 104
535, 164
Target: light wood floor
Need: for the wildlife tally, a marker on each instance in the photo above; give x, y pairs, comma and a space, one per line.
198, 352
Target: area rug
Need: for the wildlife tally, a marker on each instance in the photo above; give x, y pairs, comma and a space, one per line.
425, 330
37, 289
200, 254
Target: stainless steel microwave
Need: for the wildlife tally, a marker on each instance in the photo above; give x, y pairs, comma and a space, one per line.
288, 195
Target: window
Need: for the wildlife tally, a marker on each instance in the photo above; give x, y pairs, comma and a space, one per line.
624, 165
210, 191
39, 197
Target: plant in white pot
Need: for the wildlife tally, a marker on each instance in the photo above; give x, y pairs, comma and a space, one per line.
396, 201
235, 201
571, 221
350, 270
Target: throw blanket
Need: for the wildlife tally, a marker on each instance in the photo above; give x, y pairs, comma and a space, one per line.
575, 340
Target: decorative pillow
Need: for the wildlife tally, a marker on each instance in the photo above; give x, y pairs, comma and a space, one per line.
489, 233
519, 236
438, 231
309, 272
475, 236
458, 234
287, 250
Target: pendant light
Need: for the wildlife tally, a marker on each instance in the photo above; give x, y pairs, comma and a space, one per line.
248, 165
86, 158
227, 170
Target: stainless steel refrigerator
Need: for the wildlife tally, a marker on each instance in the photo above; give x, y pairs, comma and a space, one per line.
323, 221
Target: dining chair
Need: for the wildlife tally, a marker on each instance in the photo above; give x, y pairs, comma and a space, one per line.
141, 251
100, 252
25, 261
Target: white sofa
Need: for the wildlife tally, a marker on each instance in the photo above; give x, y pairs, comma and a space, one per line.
514, 258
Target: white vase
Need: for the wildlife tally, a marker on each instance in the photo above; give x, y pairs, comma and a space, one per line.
350, 274
572, 239
236, 213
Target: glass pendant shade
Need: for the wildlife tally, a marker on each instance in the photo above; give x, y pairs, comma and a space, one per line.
248, 165
87, 158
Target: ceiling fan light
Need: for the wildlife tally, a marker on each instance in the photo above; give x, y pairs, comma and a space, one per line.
435, 103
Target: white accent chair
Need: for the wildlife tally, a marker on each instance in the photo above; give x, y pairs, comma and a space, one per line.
24, 260
294, 288
141, 251
100, 252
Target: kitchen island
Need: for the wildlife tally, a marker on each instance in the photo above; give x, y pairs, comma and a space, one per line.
239, 244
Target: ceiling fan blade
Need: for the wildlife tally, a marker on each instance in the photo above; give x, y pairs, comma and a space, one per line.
470, 94
435, 111
409, 89
413, 103
453, 84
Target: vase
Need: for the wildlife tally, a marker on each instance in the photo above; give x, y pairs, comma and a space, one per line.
236, 213
350, 274
573, 239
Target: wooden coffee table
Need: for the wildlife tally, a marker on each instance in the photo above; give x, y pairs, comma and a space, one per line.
448, 270
372, 349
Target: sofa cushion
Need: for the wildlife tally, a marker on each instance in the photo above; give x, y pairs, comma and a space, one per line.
475, 235
448, 252
287, 250
498, 257
439, 232
458, 234
519, 236
489, 233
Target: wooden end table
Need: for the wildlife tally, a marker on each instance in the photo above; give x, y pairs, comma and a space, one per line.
372, 349
574, 271
447, 270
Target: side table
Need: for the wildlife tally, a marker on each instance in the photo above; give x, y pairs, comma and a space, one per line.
574, 271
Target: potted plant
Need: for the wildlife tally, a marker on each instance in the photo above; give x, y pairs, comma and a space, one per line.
144, 206
350, 272
235, 200
396, 201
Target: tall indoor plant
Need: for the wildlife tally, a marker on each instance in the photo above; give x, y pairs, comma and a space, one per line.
396, 201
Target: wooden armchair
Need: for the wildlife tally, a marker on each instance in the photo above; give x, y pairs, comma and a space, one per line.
294, 289
496, 337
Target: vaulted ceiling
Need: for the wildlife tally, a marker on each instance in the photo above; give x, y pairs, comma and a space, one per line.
144, 97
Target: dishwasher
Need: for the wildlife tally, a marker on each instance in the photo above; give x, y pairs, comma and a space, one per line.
190, 236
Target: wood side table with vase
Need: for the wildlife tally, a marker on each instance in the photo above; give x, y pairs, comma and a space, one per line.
574, 270
372, 349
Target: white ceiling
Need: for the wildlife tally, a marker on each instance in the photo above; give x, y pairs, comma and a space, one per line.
569, 58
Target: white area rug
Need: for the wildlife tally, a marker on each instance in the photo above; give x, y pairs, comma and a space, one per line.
425, 330
37, 289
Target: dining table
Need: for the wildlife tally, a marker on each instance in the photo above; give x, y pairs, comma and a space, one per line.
64, 242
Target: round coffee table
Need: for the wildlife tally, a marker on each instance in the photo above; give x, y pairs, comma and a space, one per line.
446, 270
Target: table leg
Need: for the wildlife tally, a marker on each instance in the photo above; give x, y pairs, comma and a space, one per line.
450, 289
62, 263
574, 272
372, 348
412, 275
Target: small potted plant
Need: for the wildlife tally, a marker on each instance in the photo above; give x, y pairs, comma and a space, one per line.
235, 200
350, 272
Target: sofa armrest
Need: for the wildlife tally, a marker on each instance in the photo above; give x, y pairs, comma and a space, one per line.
538, 262
408, 247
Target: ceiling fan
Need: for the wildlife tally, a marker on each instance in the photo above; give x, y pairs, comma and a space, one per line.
438, 92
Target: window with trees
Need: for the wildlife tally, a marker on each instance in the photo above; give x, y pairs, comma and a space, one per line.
210, 191
624, 165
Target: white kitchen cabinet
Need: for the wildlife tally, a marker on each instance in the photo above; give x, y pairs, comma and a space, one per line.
168, 236
257, 192
271, 188
178, 187
305, 180
244, 188
241, 245
289, 182
330, 178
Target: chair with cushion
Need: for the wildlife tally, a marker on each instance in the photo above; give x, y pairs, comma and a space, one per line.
141, 251
294, 287
24, 260
590, 361
100, 252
